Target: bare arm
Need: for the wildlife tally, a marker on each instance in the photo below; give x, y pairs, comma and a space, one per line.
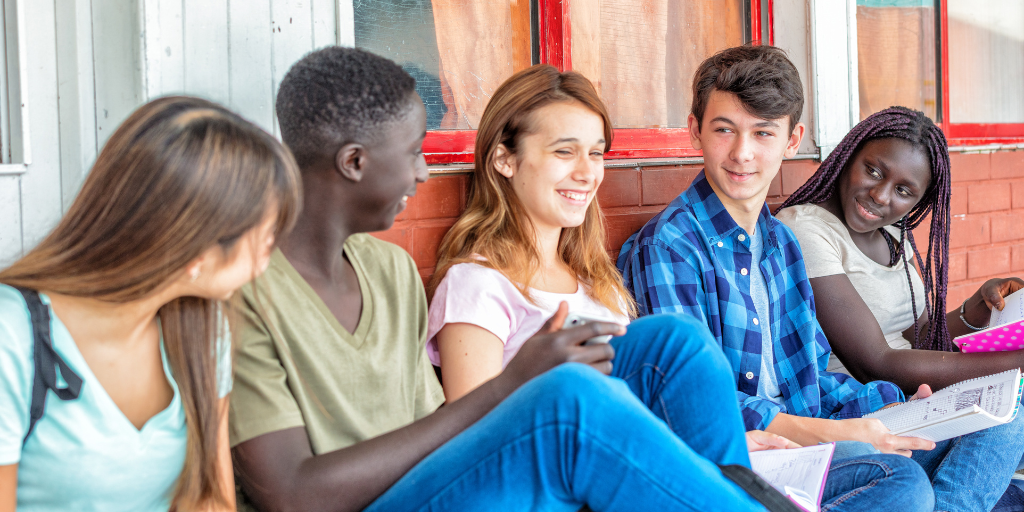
858, 341
810, 431
470, 356
279, 471
977, 308
8, 487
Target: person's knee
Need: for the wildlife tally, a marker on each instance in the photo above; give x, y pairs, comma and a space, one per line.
574, 381
910, 480
683, 337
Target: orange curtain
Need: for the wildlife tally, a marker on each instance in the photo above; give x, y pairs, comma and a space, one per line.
641, 54
896, 58
481, 43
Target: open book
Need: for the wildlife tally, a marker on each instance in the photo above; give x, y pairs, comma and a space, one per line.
1005, 331
798, 473
962, 408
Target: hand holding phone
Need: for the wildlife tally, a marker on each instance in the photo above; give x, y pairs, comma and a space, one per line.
575, 320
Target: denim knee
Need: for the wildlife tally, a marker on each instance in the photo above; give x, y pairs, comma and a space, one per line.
678, 335
912, 482
574, 382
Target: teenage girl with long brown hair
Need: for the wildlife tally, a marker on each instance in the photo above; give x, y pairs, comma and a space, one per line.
181, 208
532, 234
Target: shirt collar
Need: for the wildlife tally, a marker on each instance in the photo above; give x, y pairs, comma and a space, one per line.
716, 221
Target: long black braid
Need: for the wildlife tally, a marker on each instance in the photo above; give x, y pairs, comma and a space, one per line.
914, 127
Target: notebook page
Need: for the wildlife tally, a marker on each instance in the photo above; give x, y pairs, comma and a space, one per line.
996, 394
1013, 310
799, 473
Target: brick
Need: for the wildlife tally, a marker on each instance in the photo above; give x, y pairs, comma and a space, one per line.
439, 198
988, 262
425, 241
1007, 227
958, 200
957, 266
619, 226
1008, 164
398, 235
988, 197
621, 187
1018, 194
795, 173
425, 274
661, 186
957, 294
776, 187
1017, 258
968, 230
969, 167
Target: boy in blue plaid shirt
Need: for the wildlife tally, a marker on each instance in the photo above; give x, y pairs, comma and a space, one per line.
717, 253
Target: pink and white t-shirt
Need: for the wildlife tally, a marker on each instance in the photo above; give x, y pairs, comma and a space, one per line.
474, 294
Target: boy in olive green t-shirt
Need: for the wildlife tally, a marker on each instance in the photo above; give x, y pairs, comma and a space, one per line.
296, 366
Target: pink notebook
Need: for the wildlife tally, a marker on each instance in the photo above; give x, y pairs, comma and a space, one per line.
1008, 333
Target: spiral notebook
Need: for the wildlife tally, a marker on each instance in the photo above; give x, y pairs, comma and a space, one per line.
1006, 331
960, 409
798, 473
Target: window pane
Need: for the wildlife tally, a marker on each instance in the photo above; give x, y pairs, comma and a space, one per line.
986, 61
896, 55
458, 51
641, 54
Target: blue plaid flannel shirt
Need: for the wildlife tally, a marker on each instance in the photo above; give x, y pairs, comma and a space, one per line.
693, 258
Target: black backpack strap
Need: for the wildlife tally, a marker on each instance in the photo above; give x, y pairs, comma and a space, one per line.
46, 362
758, 489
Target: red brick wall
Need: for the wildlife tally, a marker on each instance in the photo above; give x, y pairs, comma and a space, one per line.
987, 235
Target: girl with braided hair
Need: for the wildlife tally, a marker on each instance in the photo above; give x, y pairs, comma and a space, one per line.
854, 219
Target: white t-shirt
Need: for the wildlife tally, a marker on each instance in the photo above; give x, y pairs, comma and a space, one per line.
474, 294
829, 250
84, 454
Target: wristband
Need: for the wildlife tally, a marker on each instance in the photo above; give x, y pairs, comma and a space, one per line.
964, 320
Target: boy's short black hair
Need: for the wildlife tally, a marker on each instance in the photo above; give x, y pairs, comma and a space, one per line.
337, 95
762, 77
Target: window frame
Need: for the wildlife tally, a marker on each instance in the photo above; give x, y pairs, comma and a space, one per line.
967, 134
14, 114
447, 147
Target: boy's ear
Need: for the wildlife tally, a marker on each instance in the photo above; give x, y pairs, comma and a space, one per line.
694, 126
794, 140
350, 161
504, 161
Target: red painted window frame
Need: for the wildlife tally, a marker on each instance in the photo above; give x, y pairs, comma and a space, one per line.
968, 134
555, 33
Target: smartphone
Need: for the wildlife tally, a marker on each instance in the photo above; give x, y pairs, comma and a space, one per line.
574, 320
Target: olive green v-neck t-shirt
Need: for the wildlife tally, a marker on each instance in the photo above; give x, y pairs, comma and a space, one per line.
296, 366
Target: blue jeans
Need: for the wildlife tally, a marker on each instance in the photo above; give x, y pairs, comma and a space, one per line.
573, 436
862, 478
972, 472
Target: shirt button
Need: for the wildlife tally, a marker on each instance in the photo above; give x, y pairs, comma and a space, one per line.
743, 271
741, 238
750, 375
755, 321
720, 244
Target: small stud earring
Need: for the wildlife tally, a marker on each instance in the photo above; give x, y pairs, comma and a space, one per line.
195, 274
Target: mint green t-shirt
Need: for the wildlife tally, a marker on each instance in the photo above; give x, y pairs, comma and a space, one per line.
84, 454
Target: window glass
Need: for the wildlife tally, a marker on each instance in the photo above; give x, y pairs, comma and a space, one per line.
641, 54
986, 61
896, 55
458, 51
